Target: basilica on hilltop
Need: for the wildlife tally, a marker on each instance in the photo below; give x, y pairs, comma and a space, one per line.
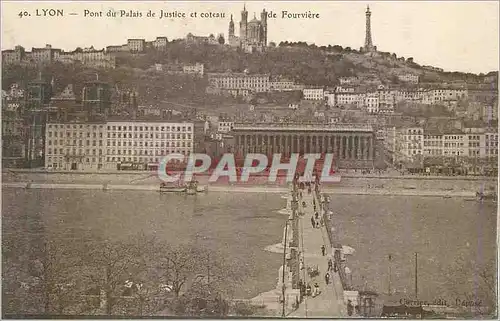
253, 33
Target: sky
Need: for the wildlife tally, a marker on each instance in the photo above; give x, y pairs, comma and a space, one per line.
455, 36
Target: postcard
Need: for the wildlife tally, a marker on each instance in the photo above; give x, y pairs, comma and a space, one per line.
250, 159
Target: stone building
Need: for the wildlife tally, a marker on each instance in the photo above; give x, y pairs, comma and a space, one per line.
115, 144
353, 145
253, 33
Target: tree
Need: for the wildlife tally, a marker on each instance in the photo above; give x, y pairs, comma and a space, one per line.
337, 48
178, 265
479, 278
221, 39
56, 271
110, 264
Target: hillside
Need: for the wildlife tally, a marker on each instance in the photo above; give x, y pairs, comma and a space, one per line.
306, 64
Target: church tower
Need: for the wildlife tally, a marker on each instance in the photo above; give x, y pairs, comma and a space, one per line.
368, 37
231, 27
243, 25
263, 19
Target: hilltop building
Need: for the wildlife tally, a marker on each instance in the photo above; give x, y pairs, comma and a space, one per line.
253, 34
47, 55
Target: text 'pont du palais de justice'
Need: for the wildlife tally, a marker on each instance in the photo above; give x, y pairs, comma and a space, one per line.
159, 14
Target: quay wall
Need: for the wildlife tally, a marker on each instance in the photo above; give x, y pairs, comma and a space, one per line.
243, 189
364, 184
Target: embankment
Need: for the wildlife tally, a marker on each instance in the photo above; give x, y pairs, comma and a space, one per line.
339, 190
349, 185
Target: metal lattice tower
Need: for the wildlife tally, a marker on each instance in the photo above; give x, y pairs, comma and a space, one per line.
368, 37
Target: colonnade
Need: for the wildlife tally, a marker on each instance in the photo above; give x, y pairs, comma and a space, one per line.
344, 146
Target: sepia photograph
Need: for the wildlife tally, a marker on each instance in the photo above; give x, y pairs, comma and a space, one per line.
258, 159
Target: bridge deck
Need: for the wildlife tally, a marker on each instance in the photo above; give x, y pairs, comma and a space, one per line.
329, 303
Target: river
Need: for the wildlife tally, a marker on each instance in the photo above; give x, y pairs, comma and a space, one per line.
241, 225
455, 239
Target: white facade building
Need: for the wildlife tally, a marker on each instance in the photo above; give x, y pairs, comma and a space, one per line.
491, 144
75, 146
476, 144
413, 141
371, 102
449, 94
313, 93
239, 81
409, 78
386, 100
348, 80
343, 99
225, 126
282, 85
455, 145
94, 146
196, 69
136, 45
146, 142
330, 99
433, 144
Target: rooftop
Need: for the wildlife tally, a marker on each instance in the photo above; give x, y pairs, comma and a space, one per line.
239, 74
117, 119
302, 127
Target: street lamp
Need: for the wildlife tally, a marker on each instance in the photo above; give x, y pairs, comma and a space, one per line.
284, 266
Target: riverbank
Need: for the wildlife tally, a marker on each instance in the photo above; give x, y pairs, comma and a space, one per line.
340, 190
363, 185
344, 175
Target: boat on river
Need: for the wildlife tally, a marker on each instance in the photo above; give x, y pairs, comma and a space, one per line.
164, 188
489, 194
486, 196
192, 188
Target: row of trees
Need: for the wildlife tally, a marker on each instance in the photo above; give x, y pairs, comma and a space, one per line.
138, 276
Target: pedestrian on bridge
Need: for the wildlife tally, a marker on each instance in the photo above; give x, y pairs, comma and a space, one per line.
316, 289
313, 222
330, 265
327, 278
323, 250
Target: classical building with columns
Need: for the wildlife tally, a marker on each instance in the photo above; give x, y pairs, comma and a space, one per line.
353, 145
